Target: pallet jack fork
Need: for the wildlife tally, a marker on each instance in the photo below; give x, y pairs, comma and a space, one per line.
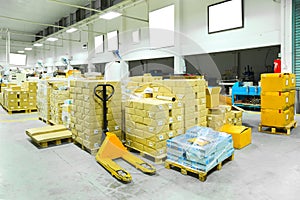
112, 148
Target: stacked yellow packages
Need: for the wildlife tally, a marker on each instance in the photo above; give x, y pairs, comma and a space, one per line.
87, 112
31, 87
57, 98
15, 99
189, 92
150, 122
277, 99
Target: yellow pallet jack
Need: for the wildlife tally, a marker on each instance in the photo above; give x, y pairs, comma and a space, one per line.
112, 148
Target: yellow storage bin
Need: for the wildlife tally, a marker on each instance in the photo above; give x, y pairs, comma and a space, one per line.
275, 118
274, 82
241, 135
276, 100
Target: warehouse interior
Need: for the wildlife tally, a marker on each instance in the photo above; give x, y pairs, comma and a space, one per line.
149, 99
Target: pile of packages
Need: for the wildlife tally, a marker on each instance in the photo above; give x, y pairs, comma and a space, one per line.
31, 88
200, 148
57, 98
15, 98
223, 114
87, 112
150, 122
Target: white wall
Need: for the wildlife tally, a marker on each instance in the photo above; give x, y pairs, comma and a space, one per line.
261, 28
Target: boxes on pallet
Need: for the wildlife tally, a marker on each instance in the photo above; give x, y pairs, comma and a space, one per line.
57, 99
277, 99
241, 135
87, 112
150, 122
200, 148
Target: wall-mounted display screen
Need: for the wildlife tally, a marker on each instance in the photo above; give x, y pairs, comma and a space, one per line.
99, 44
162, 26
17, 59
226, 15
112, 41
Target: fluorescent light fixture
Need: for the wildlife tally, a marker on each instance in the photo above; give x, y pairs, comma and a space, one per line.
28, 49
52, 39
20, 51
38, 45
71, 30
110, 15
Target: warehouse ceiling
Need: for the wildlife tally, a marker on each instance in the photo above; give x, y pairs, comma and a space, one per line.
14, 12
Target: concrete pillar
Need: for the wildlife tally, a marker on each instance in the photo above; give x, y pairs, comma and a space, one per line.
286, 36
91, 48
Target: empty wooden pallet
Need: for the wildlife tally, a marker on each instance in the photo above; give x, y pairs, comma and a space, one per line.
50, 135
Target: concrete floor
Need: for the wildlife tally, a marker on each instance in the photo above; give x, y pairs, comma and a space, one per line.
269, 168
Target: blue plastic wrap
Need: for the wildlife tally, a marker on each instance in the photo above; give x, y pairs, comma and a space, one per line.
201, 148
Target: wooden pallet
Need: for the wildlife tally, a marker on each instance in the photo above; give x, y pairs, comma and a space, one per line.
202, 175
156, 159
48, 135
278, 130
80, 145
31, 110
44, 120
15, 111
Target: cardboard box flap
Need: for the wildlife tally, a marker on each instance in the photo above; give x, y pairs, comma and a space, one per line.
213, 90
228, 128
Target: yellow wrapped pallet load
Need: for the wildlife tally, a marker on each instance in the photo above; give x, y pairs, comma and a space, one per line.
277, 101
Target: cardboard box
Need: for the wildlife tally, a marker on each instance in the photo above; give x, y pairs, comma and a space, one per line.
212, 96
241, 135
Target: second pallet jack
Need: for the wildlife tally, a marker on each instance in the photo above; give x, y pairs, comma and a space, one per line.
112, 148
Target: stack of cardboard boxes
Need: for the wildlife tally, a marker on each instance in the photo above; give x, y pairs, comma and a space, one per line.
57, 98
150, 122
219, 115
31, 87
43, 100
189, 92
87, 112
15, 98
277, 99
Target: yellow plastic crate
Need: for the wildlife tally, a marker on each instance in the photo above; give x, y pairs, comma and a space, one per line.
276, 118
276, 100
275, 82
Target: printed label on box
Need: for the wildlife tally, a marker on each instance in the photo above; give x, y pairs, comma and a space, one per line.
160, 107
160, 123
179, 118
117, 128
171, 134
287, 82
151, 129
96, 131
287, 117
161, 137
171, 120
286, 99
170, 106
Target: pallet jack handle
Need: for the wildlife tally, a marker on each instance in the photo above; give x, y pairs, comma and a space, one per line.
102, 88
